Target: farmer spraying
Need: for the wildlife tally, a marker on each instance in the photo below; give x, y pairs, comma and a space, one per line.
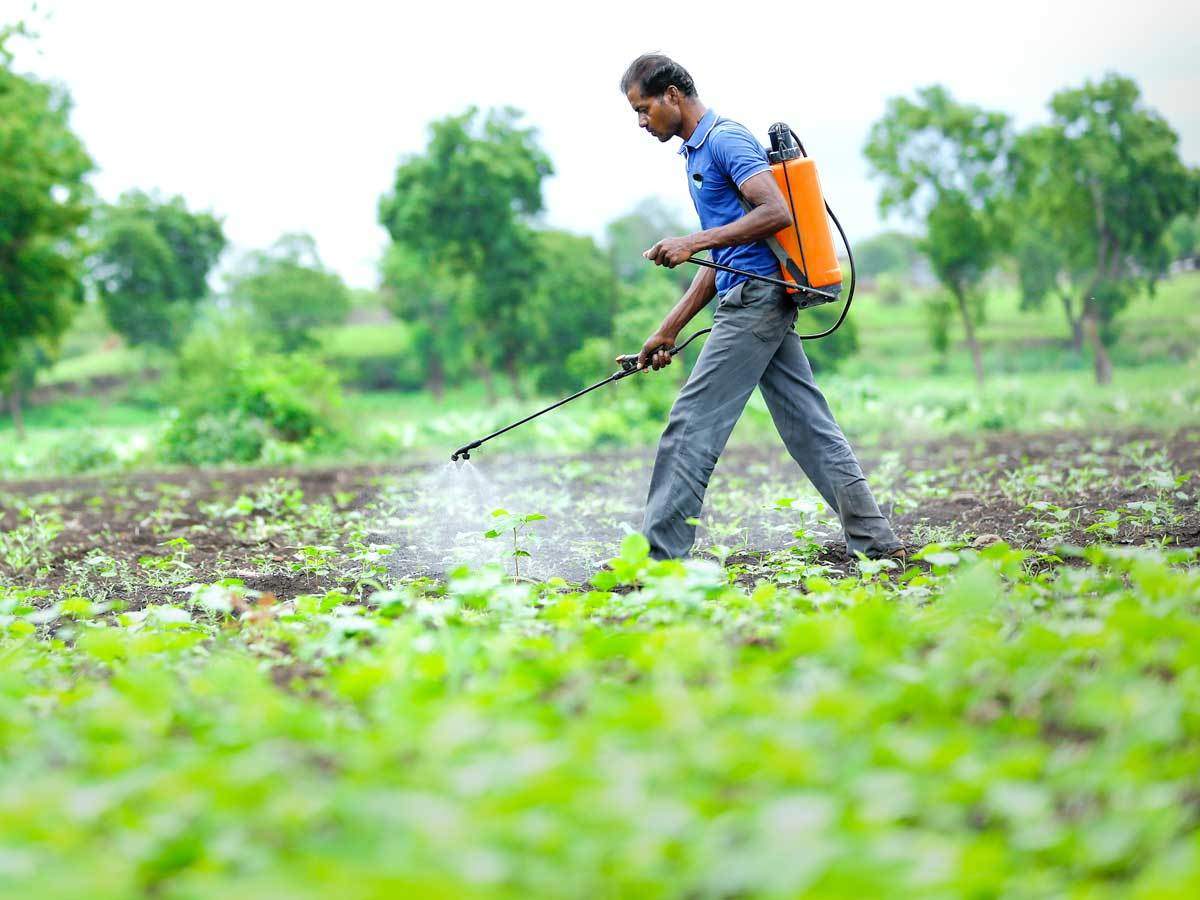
753, 340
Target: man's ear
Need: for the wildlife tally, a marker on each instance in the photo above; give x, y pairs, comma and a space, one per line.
672, 94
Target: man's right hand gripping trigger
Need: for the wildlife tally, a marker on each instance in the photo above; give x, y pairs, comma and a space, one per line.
656, 352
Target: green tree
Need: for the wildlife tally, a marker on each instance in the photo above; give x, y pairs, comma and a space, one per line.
1183, 239
434, 298
1104, 181
573, 298
639, 308
944, 163
630, 235
463, 207
828, 353
1043, 270
151, 266
290, 292
43, 206
890, 252
26, 358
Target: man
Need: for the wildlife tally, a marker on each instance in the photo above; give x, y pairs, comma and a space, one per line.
753, 341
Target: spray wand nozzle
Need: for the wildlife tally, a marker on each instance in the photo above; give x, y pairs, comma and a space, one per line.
464, 452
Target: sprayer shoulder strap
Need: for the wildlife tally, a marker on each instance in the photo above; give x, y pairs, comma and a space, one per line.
789, 265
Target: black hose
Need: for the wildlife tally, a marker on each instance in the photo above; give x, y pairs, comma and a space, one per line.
845, 243
849, 295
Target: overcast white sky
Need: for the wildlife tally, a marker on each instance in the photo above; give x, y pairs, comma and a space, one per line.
291, 116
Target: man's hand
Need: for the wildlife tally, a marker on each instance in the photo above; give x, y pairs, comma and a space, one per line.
670, 252
656, 351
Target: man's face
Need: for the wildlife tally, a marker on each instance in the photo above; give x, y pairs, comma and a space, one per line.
660, 115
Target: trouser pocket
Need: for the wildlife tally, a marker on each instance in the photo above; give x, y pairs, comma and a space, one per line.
774, 311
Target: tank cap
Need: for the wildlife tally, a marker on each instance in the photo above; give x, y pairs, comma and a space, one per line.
783, 145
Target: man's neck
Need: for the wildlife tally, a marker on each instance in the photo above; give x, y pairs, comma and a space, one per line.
693, 111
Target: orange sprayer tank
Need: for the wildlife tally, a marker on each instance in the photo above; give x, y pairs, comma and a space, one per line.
812, 251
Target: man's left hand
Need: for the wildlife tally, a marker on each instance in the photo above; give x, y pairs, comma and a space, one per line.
670, 252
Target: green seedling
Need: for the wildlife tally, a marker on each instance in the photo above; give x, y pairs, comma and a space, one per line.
511, 524
171, 569
1052, 520
368, 566
28, 546
314, 561
1108, 523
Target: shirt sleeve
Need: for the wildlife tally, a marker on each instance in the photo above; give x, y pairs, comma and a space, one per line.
738, 154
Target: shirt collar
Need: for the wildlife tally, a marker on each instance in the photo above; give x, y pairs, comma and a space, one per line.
703, 127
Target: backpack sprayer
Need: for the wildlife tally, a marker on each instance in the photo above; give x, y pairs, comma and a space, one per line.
808, 263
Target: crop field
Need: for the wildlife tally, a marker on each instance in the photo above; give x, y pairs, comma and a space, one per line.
260, 639
308, 682
356, 529
352, 669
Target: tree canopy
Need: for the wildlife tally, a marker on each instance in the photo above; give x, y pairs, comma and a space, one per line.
151, 265
44, 202
290, 292
642, 227
573, 297
1103, 182
463, 209
889, 252
945, 163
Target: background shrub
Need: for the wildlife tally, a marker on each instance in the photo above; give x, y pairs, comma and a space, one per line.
233, 399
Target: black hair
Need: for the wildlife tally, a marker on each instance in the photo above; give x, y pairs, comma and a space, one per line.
654, 73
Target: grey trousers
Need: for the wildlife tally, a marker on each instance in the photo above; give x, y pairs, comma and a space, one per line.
753, 342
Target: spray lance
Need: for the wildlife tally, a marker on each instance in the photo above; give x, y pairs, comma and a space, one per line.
808, 263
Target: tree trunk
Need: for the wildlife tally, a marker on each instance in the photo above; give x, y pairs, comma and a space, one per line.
435, 378
489, 383
1091, 326
1076, 322
1108, 263
14, 409
514, 375
969, 328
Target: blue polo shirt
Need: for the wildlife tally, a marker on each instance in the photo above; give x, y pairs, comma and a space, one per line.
721, 155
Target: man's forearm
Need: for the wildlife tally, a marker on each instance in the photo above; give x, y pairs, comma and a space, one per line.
761, 222
695, 298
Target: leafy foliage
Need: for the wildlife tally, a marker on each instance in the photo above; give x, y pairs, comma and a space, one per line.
628, 236
983, 726
151, 265
372, 357
945, 163
433, 300
1104, 181
43, 205
511, 525
238, 401
461, 212
827, 353
573, 297
290, 292
1182, 240
889, 252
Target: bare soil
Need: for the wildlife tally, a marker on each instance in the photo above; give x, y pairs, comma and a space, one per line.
951, 488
